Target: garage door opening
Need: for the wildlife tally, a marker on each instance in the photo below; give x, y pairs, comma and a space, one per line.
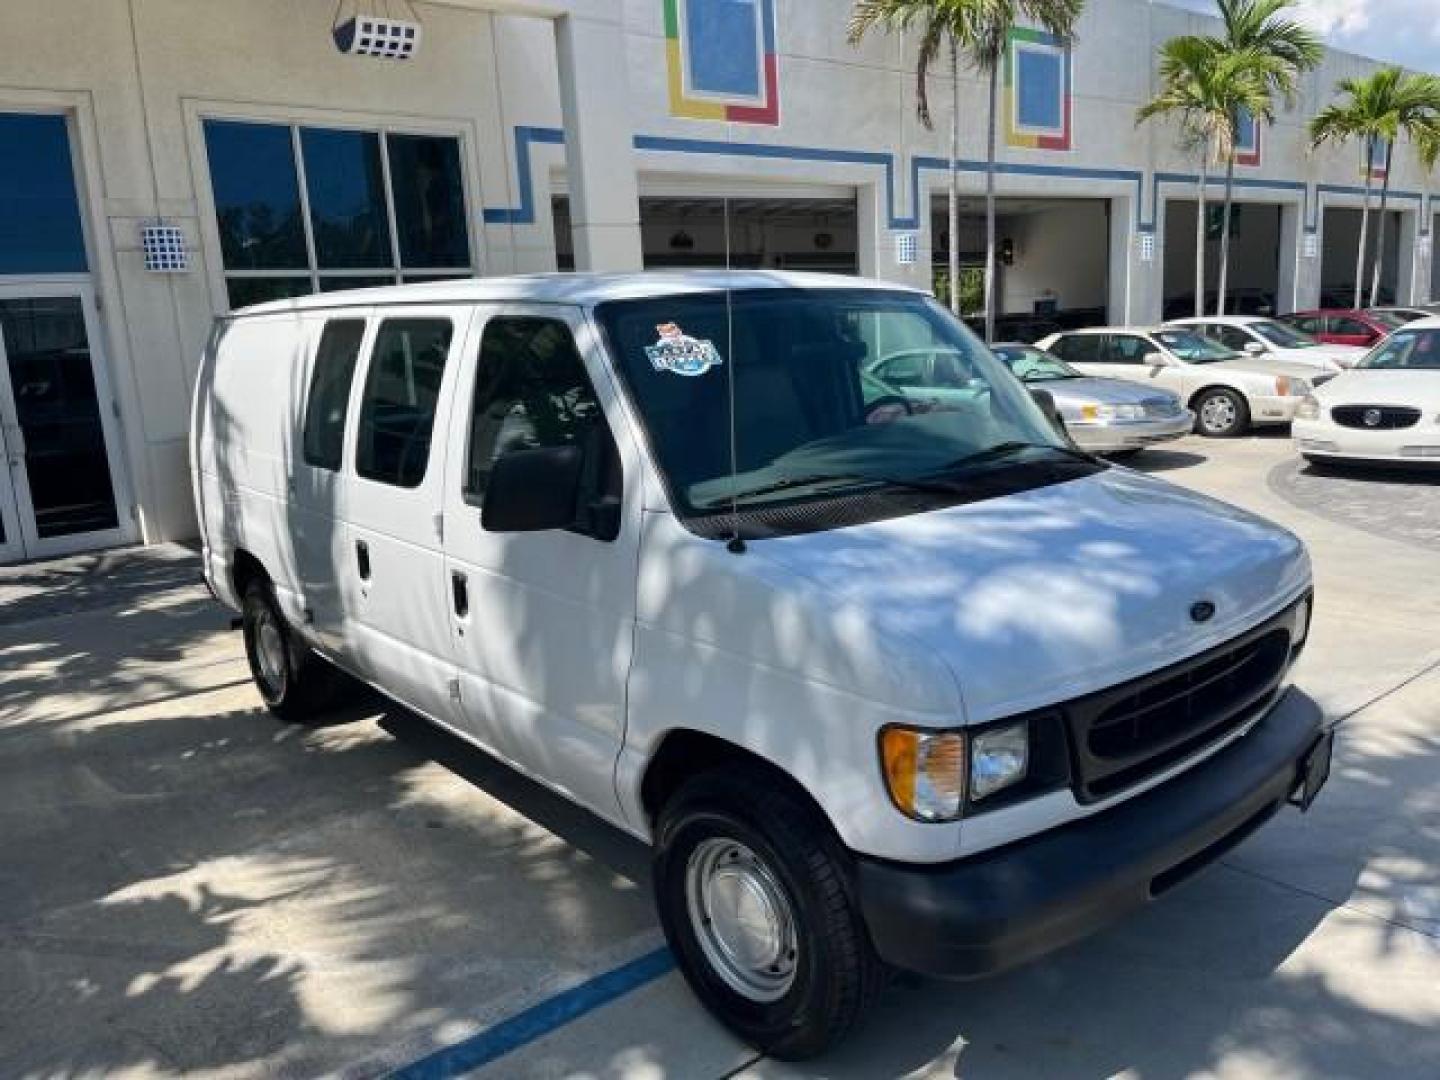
771, 233
1254, 279
1341, 243
1053, 263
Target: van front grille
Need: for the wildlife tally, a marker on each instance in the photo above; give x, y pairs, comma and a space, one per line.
1127, 733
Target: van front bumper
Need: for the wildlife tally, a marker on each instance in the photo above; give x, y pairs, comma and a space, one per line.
1003, 907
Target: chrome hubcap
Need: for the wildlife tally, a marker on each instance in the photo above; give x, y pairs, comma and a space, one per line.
270, 652
742, 919
1218, 413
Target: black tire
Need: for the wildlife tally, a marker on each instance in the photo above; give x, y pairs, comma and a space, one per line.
836, 974
295, 684
1227, 415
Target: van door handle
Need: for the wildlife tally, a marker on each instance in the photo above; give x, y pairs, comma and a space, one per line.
460, 593
362, 559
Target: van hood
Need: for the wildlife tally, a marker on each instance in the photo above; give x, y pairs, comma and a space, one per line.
1042, 596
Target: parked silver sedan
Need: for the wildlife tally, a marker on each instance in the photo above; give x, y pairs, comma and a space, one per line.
1104, 416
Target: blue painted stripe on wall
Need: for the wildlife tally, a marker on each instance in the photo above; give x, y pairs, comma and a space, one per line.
525, 137
538, 1021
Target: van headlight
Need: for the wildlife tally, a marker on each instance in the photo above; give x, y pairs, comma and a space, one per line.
998, 758
1308, 409
925, 772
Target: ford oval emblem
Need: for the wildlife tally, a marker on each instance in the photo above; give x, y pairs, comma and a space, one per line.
1202, 610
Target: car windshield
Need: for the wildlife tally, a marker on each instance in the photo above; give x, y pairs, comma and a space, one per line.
835, 391
1035, 365
1278, 333
1193, 348
1416, 350
1392, 319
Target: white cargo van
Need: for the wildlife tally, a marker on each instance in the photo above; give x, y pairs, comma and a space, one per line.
885, 683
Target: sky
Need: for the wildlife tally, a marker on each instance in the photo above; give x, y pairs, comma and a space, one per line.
1400, 31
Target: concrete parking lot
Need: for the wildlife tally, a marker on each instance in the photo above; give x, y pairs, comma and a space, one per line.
189, 886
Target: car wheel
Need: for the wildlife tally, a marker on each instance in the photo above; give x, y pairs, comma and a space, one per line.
1221, 414
293, 681
753, 895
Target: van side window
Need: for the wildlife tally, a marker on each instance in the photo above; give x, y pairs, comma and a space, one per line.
402, 388
329, 398
531, 391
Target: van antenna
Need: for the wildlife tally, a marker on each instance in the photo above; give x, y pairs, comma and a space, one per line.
736, 545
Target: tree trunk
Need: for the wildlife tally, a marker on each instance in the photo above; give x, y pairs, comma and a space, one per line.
1225, 234
1364, 224
1200, 234
990, 297
1380, 229
954, 177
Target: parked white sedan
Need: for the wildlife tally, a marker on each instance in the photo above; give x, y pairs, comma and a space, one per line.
1227, 392
1386, 410
1254, 336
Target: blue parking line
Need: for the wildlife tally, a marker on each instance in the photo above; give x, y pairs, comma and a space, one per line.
539, 1020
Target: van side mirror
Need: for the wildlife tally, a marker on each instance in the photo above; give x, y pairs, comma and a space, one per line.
1046, 401
1156, 360
533, 490
1254, 348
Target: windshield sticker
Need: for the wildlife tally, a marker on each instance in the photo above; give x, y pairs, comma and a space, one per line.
678, 352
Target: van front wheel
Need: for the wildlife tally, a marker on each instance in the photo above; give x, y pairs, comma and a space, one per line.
292, 680
752, 894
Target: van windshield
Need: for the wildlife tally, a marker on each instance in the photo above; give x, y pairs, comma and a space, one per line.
837, 393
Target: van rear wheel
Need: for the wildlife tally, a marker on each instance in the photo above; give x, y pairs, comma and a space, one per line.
293, 681
752, 893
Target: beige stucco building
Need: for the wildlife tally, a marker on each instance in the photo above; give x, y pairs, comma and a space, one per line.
258, 160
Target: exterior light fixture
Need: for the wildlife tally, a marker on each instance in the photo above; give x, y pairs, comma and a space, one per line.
381, 36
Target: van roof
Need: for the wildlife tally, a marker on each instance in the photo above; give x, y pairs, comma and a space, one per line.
578, 289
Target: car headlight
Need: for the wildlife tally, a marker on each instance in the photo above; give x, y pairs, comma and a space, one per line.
1112, 412
998, 759
925, 772
1308, 409
1286, 386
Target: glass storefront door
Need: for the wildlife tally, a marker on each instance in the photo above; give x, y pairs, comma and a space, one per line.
59, 491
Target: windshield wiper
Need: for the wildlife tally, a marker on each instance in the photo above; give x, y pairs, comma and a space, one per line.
1011, 447
784, 483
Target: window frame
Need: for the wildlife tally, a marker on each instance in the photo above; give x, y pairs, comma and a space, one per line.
466, 400
197, 112
377, 319
352, 397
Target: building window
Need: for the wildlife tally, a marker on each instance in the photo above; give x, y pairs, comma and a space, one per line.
40, 230
1247, 138
308, 209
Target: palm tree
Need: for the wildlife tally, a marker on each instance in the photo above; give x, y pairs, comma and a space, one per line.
1281, 50
979, 28
989, 23
1377, 109
1205, 88
942, 26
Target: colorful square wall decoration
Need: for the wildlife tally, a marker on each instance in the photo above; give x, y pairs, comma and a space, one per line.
1378, 151
1247, 142
1037, 92
721, 60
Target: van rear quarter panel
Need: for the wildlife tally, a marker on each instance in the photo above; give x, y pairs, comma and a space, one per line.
247, 424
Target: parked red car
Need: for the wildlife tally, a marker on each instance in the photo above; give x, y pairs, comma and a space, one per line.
1345, 326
